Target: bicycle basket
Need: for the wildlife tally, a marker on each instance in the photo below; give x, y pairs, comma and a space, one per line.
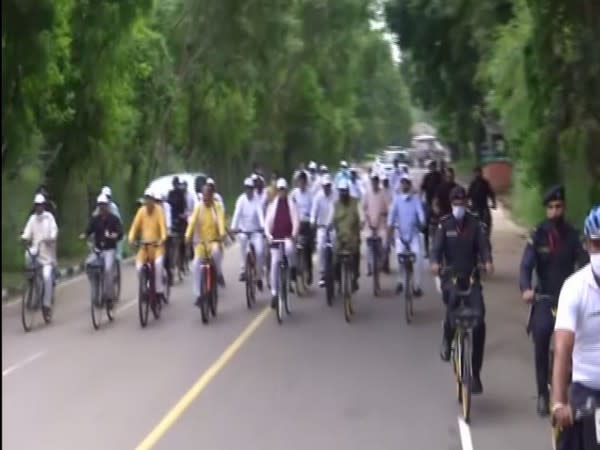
466, 317
410, 256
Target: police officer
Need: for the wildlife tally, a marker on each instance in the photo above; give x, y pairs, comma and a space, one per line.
553, 249
460, 243
480, 192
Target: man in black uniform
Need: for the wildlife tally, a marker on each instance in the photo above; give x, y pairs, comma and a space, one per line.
178, 202
479, 193
442, 195
554, 250
429, 186
460, 243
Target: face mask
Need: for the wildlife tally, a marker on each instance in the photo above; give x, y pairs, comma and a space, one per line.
405, 196
595, 263
458, 212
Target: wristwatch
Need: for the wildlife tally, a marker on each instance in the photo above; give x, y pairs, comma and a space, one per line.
557, 406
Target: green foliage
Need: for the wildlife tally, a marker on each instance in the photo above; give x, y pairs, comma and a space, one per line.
119, 91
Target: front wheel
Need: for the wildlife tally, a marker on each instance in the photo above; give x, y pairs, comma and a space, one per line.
250, 282
466, 378
329, 278
347, 293
300, 274
96, 305
27, 310
214, 293
408, 295
143, 299
117, 287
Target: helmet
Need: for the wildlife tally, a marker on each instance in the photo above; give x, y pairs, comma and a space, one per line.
591, 226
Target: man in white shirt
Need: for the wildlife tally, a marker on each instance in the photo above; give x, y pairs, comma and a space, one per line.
375, 210
248, 218
302, 198
577, 343
321, 216
41, 232
260, 193
313, 178
356, 188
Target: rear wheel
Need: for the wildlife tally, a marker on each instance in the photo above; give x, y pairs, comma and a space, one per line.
143, 300
27, 310
117, 287
250, 282
466, 378
347, 292
204, 299
329, 278
96, 301
300, 273
282, 295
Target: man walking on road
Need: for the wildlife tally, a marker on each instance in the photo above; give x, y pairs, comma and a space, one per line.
429, 186
480, 193
554, 250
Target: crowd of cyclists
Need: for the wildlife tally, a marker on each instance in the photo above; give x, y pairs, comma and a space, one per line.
455, 222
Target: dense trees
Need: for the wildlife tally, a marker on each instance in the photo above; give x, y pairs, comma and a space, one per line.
535, 64
117, 91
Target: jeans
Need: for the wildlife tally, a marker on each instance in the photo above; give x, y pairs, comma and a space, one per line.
290, 253
108, 257
415, 247
258, 243
321, 241
542, 327
573, 438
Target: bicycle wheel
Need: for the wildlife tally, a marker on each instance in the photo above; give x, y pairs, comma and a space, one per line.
143, 300
166, 287
214, 294
329, 278
96, 304
466, 377
250, 282
456, 366
282, 294
117, 281
27, 310
204, 297
408, 295
376, 287
347, 292
300, 275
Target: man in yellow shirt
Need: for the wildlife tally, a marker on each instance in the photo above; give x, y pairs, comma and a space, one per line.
149, 225
208, 221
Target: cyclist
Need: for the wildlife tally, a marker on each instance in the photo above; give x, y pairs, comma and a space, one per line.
41, 231
346, 223
107, 230
321, 216
343, 173
216, 197
396, 175
179, 215
479, 193
248, 217
553, 249
429, 186
577, 341
260, 193
208, 223
442, 195
149, 225
356, 190
302, 198
161, 200
375, 210
460, 244
281, 222
389, 200
408, 218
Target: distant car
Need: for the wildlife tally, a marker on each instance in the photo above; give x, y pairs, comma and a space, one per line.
164, 184
386, 161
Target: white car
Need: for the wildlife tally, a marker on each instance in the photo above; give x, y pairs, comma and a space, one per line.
385, 162
164, 184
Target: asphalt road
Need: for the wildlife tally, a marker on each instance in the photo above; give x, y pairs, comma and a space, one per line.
245, 382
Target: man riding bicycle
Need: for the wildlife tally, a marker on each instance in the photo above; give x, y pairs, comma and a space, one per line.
577, 342
41, 231
321, 217
375, 210
408, 218
248, 218
302, 198
150, 226
553, 249
107, 230
480, 193
346, 223
429, 186
281, 223
208, 222
460, 244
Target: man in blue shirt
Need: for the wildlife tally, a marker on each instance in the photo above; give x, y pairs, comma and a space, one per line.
407, 217
343, 173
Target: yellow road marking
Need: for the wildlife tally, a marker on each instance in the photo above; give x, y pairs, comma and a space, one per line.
169, 419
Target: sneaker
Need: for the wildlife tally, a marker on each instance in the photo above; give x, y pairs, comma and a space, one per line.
399, 288
445, 350
477, 387
274, 301
542, 405
259, 285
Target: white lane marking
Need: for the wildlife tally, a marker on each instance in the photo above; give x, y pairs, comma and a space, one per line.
22, 364
465, 435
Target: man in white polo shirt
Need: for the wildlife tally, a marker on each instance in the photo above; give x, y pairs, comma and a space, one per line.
577, 343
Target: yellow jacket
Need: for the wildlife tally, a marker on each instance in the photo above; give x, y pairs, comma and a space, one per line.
209, 222
149, 227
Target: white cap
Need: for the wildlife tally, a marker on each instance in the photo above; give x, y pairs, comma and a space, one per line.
210, 181
157, 195
324, 168
39, 199
106, 191
254, 177
248, 182
353, 169
406, 177
282, 184
326, 180
148, 193
343, 184
374, 174
344, 164
312, 165
102, 198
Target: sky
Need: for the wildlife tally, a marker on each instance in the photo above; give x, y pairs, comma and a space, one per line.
379, 24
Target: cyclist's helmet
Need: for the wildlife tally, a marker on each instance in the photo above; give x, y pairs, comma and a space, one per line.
591, 226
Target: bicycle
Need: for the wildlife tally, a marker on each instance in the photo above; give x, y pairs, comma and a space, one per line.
95, 272
250, 277
407, 259
329, 276
465, 321
374, 244
33, 293
301, 281
209, 296
147, 296
283, 275
588, 419
345, 260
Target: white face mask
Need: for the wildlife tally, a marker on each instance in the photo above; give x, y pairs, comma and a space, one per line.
458, 212
405, 196
595, 263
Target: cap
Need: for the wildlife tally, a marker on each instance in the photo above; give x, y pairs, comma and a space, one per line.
39, 199
344, 164
406, 177
254, 177
324, 168
148, 193
106, 191
554, 194
458, 193
157, 195
312, 165
343, 185
210, 181
102, 198
248, 182
326, 180
282, 184
374, 175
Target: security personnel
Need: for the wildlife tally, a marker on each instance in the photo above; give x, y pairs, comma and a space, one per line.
553, 249
460, 243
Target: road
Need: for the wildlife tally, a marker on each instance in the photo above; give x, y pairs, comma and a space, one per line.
312, 382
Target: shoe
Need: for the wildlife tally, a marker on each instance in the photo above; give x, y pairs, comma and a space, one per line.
476, 386
46, 312
259, 285
274, 300
445, 351
542, 405
399, 288
242, 277
221, 281
418, 292
198, 302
